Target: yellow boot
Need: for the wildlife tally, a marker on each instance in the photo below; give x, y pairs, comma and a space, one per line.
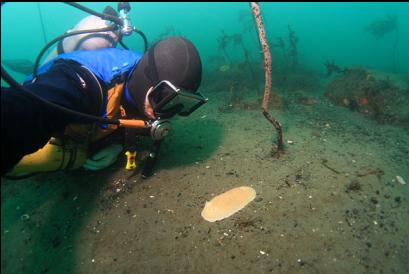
56, 155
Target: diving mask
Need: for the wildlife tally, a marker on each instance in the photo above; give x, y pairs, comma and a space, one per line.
168, 100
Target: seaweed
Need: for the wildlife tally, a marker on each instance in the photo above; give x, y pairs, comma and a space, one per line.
281, 45
224, 40
289, 50
333, 68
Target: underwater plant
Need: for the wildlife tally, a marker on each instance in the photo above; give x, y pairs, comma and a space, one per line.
223, 41
267, 67
281, 45
332, 67
289, 50
236, 40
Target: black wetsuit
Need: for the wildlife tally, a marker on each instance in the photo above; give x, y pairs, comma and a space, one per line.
27, 124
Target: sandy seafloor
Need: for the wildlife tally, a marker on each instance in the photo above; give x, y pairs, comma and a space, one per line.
307, 217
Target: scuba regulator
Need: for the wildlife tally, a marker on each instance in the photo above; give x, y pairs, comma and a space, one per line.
122, 25
157, 131
126, 28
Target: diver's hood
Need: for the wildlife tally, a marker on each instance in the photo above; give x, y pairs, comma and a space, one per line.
174, 59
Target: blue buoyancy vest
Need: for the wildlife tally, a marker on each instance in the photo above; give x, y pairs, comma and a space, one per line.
107, 64
110, 65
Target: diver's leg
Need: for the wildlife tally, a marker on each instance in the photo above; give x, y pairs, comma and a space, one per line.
27, 124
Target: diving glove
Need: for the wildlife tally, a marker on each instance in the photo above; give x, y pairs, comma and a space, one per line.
103, 158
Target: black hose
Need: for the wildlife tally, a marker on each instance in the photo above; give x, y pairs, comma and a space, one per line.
104, 16
122, 44
40, 55
13, 83
145, 40
7, 77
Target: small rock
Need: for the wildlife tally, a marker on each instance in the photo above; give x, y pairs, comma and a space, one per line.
400, 180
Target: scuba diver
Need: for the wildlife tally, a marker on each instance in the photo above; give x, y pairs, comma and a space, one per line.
85, 41
111, 83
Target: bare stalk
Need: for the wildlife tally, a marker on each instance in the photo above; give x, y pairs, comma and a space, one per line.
267, 68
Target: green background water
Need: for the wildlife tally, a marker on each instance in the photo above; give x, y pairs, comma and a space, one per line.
326, 31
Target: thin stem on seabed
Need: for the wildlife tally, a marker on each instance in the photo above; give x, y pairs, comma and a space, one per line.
267, 67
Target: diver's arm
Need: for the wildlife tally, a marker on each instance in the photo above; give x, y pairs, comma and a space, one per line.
27, 124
